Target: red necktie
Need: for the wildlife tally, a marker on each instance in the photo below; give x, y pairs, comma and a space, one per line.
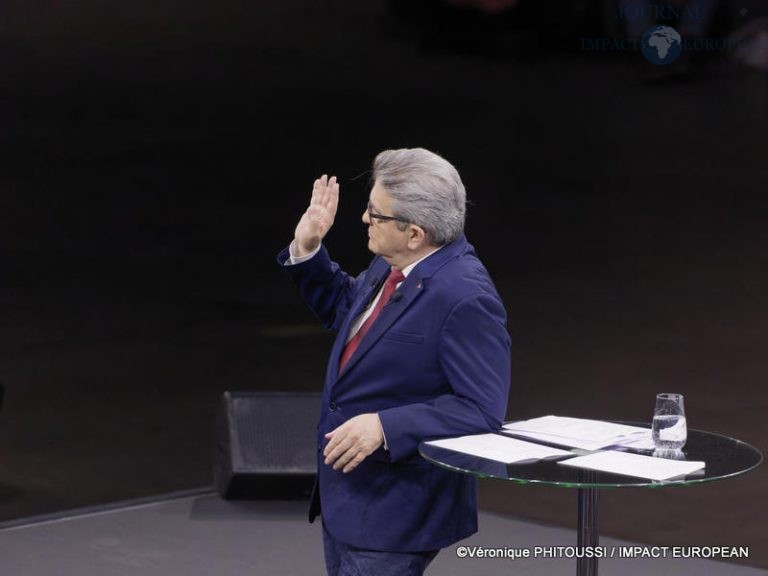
395, 277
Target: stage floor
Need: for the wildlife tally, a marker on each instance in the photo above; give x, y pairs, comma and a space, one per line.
200, 534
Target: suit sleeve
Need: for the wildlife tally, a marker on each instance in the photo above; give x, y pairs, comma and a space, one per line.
474, 353
324, 286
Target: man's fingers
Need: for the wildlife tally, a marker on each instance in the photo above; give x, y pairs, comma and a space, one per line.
348, 458
339, 458
319, 216
344, 458
333, 200
352, 442
323, 197
336, 447
319, 184
342, 448
316, 192
354, 463
328, 191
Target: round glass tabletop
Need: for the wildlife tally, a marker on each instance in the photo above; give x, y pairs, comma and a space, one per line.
724, 457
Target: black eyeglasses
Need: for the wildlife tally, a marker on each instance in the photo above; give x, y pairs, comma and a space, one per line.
377, 216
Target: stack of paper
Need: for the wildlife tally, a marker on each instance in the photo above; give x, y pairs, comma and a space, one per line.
499, 448
634, 465
577, 432
638, 442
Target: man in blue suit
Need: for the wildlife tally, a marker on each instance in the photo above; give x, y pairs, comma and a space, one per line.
422, 352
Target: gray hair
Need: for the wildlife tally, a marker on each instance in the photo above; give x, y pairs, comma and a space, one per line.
425, 189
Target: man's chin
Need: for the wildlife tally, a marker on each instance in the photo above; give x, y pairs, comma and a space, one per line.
373, 248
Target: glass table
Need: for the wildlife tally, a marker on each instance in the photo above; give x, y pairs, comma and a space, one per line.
725, 458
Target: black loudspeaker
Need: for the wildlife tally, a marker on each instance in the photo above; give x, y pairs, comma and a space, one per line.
266, 445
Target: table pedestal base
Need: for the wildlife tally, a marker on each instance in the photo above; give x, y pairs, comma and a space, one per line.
588, 533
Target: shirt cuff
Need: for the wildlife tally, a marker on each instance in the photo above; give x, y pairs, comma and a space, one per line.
386, 446
299, 259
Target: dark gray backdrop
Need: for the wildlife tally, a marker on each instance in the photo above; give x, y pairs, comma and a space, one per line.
156, 155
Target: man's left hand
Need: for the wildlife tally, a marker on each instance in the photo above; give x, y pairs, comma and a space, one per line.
353, 441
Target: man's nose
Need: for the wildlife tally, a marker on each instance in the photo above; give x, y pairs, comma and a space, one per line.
366, 219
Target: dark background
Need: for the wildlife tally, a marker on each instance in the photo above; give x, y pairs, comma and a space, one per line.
156, 156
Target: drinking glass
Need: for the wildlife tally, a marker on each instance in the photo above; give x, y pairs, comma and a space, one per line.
669, 430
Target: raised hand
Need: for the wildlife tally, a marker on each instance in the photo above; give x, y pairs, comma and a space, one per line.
319, 216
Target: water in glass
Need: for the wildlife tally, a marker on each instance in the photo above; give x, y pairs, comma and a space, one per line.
669, 429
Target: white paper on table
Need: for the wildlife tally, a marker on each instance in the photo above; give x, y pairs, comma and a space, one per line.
639, 442
575, 432
636, 465
499, 448
589, 445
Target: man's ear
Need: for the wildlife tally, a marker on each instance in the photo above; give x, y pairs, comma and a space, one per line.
417, 236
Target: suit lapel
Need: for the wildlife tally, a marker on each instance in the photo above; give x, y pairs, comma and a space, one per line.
410, 290
378, 273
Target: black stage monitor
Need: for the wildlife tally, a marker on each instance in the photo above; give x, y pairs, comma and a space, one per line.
266, 445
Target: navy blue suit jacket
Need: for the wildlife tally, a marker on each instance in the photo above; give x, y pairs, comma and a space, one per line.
435, 363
